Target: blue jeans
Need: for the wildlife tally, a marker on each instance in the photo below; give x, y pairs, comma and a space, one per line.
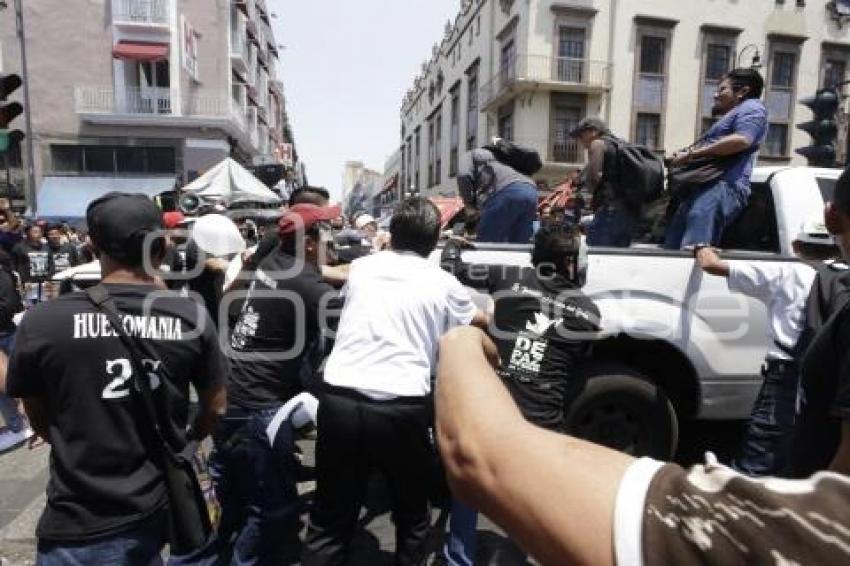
612, 226
142, 545
462, 542
255, 482
767, 444
703, 217
508, 215
8, 406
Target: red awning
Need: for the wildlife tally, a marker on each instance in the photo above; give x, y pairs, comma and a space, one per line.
449, 208
140, 51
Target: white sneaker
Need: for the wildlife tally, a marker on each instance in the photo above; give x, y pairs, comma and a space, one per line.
10, 439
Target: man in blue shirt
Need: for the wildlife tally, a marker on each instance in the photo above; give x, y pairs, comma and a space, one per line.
704, 215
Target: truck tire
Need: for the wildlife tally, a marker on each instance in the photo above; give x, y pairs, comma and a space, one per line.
623, 410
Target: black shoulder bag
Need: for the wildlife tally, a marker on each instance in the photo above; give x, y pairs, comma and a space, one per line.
189, 524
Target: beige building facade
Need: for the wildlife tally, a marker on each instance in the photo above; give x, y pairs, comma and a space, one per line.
159, 89
530, 70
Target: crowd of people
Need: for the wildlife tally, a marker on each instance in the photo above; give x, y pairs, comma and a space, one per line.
326, 322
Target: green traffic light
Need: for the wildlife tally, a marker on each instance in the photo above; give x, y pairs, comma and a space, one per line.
9, 139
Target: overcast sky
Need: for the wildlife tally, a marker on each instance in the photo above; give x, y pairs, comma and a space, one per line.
345, 69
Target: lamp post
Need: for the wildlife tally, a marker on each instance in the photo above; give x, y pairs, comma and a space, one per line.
755, 62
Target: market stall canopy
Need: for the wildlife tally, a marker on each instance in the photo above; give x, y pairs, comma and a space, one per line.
229, 183
66, 198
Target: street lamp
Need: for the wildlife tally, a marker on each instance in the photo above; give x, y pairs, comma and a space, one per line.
755, 62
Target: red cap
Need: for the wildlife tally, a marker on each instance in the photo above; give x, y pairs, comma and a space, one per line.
304, 215
172, 219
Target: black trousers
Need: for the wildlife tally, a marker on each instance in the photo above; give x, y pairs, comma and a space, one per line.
356, 436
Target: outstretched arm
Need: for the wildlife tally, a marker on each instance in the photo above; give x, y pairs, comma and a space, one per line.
554, 494
710, 262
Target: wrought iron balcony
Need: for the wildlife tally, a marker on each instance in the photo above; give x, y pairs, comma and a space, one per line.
141, 12
556, 73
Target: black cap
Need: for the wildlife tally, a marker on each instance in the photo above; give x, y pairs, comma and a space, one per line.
591, 123
119, 222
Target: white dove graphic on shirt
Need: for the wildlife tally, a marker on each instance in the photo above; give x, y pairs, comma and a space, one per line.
541, 323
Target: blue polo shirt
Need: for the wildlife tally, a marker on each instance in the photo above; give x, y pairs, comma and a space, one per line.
750, 120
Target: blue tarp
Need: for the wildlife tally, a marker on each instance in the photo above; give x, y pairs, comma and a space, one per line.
66, 198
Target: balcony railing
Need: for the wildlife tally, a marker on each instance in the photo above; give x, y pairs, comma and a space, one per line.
141, 12
568, 151
555, 150
553, 70
134, 100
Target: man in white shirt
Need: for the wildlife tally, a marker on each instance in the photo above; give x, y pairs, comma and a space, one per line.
783, 287
377, 411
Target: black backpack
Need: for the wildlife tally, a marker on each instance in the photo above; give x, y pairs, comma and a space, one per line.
830, 292
639, 175
519, 158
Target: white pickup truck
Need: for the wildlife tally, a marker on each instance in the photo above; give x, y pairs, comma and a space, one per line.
677, 344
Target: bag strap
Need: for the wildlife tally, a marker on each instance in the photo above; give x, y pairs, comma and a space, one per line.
99, 296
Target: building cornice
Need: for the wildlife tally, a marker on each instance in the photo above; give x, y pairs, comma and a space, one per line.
508, 29
573, 10
720, 29
786, 37
657, 21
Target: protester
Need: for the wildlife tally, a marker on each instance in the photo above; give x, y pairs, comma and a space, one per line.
277, 328
10, 224
32, 262
17, 429
543, 327
823, 436
784, 288
614, 218
566, 501
106, 497
62, 256
732, 144
509, 198
373, 237
376, 413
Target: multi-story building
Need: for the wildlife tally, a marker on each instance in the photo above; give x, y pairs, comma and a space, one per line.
529, 71
158, 89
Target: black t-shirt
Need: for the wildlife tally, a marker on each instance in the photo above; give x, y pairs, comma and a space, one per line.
61, 258
32, 261
825, 396
102, 479
278, 322
544, 328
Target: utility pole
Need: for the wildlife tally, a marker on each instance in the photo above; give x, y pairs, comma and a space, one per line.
30, 190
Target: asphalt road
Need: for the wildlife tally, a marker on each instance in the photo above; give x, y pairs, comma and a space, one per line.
23, 476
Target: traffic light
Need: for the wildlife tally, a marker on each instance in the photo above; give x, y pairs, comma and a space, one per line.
823, 128
8, 112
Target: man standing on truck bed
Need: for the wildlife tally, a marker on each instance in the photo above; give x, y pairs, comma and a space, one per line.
614, 218
731, 144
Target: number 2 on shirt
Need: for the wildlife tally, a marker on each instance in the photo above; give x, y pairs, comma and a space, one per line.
121, 370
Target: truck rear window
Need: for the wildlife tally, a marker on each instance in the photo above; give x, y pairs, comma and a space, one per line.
827, 188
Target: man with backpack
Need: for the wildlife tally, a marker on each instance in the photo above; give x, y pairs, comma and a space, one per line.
621, 177
784, 288
497, 181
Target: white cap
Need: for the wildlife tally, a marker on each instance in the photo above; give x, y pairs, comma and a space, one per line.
217, 235
363, 220
815, 232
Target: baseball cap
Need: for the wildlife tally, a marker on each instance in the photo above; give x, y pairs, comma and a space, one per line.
305, 215
591, 123
815, 232
173, 219
119, 222
217, 235
363, 220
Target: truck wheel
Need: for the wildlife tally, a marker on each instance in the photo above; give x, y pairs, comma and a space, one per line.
621, 409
